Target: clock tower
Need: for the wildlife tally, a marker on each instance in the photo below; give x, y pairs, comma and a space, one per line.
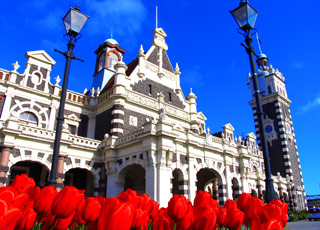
279, 130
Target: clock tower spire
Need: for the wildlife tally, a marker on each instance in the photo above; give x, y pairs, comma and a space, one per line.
281, 139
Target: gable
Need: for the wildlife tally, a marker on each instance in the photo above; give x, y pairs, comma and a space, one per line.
166, 64
42, 56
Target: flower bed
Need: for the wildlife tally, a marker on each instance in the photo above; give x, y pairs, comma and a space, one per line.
25, 206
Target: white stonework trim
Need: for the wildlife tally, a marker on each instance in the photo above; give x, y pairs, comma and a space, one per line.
279, 116
118, 111
116, 130
289, 170
278, 110
284, 143
256, 123
280, 123
277, 104
286, 156
255, 117
288, 163
285, 150
257, 129
283, 136
117, 121
258, 135
281, 129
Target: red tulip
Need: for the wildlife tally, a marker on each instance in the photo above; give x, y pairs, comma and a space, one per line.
243, 201
162, 221
230, 204
204, 218
43, 201
252, 209
27, 220
64, 223
91, 210
140, 218
188, 219
234, 218
145, 203
221, 216
112, 215
203, 198
78, 220
8, 217
177, 207
66, 201
128, 196
273, 224
22, 183
154, 210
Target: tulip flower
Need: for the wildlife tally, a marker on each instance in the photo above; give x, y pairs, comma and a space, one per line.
43, 201
221, 216
234, 218
202, 198
113, 213
140, 219
22, 183
177, 207
91, 210
204, 217
230, 204
243, 200
66, 201
26, 220
8, 217
188, 219
162, 221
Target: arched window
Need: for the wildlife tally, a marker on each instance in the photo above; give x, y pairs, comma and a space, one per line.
101, 62
113, 59
28, 118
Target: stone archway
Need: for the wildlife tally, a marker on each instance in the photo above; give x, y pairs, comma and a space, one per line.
210, 180
177, 182
36, 170
133, 177
254, 193
235, 189
80, 178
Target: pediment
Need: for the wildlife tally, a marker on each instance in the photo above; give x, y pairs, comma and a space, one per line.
41, 56
251, 135
228, 127
202, 116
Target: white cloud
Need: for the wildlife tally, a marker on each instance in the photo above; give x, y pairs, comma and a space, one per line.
124, 17
311, 104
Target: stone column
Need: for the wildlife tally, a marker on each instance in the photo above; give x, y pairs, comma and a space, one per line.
291, 205
60, 172
151, 186
4, 162
281, 197
102, 181
192, 179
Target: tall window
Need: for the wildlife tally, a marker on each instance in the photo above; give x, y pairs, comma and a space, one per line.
28, 118
113, 59
102, 61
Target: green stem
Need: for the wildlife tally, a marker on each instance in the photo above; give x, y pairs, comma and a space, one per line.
174, 227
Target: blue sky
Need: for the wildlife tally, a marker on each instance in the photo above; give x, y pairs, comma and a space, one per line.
203, 39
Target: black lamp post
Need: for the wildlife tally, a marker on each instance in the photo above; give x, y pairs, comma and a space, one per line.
245, 15
73, 22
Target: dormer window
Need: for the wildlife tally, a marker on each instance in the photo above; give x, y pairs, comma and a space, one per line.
113, 60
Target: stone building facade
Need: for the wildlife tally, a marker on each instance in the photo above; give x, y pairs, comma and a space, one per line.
133, 129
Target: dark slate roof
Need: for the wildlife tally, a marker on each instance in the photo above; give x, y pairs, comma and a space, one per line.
131, 66
153, 58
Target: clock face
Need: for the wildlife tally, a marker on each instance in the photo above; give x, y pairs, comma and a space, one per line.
268, 128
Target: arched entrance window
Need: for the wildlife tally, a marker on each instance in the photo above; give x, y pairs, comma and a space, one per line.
133, 177
28, 118
80, 178
254, 193
235, 189
209, 180
37, 171
177, 182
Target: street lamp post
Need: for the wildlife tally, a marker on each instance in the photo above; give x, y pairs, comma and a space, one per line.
73, 22
245, 15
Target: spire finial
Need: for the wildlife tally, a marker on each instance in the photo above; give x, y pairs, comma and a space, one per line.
156, 17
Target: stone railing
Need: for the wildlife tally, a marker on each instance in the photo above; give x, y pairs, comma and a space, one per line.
104, 96
129, 137
83, 141
77, 97
4, 74
37, 132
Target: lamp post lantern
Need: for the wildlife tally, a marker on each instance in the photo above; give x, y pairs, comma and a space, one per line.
245, 15
73, 21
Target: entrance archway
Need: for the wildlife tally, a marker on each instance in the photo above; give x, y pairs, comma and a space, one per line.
36, 170
80, 178
209, 180
177, 182
254, 193
235, 189
133, 177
